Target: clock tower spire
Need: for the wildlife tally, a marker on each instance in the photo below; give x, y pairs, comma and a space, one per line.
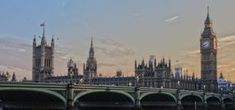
208, 47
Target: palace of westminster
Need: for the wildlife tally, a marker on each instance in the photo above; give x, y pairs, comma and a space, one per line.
154, 73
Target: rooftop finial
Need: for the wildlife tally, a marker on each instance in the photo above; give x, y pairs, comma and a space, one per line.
208, 10
208, 21
92, 52
43, 41
91, 42
43, 27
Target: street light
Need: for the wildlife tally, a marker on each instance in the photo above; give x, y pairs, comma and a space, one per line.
137, 81
204, 97
137, 94
178, 84
233, 98
179, 106
221, 97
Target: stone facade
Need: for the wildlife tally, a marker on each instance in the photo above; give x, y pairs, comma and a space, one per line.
208, 47
90, 68
43, 56
152, 73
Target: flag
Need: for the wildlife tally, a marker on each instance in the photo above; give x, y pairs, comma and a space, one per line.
43, 24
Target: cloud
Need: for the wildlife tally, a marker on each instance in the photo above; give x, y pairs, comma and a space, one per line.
13, 44
64, 3
226, 41
21, 50
20, 73
113, 48
172, 19
107, 64
14, 51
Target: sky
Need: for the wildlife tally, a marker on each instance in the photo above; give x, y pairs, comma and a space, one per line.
123, 30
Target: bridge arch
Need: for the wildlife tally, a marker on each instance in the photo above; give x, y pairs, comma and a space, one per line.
103, 99
193, 95
190, 101
111, 91
228, 103
164, 93
158, 100
12, 94
213, 102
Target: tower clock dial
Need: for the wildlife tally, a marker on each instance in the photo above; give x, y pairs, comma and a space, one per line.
205, 44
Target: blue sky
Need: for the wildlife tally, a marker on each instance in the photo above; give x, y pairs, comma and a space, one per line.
123, 30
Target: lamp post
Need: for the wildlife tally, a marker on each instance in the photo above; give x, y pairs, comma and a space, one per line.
179, 105
221, 98
204, 98
137, 94
233, 93
71, 73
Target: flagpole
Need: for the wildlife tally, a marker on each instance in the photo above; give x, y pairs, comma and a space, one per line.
43, 29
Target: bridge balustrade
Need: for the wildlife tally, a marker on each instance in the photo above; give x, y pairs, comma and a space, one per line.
89, 97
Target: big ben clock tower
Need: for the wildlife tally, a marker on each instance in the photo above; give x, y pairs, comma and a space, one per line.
208, 47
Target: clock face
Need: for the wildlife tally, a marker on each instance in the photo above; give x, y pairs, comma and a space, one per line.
205, 44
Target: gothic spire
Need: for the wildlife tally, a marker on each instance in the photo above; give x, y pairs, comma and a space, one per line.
34, 40
208, 21
208, 30
135, 64
91, 42
52, 41
92, 52
43, 41
221, 76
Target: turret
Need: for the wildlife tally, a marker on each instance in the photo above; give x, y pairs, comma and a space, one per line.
90, 70
221, 76
42, 58
208, 30
84, 66
34, 42
91, 52
163, 60
52, 54
13, 79
135, 64
193, 77
155, 63
43, 44
52, 42
142, 64
169, 64
43, 40
34, 57
208, 21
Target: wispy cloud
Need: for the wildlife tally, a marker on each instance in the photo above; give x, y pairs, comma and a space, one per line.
113, 48
226, 41
13, 44
20, 73
172, 19
107, 64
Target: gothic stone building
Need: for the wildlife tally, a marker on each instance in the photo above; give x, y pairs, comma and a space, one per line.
151, 74
43, 56
208, 47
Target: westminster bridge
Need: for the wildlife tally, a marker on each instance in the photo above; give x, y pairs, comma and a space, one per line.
51, 96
